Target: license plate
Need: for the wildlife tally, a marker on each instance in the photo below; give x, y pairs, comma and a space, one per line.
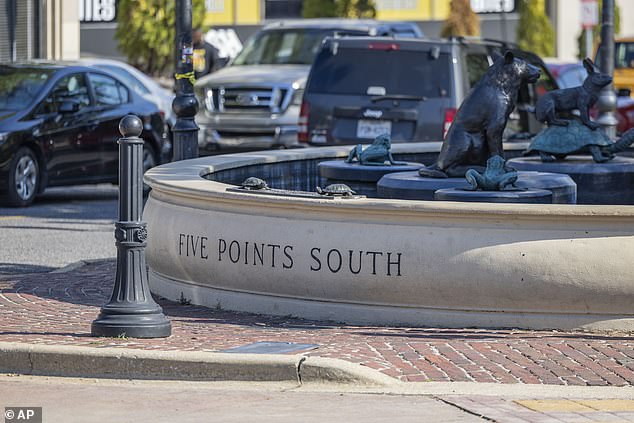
373, 128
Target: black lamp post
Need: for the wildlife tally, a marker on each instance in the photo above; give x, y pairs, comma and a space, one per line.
607, 98
131, 310
11, 13
185, 104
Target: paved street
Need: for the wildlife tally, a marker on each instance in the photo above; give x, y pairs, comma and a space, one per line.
65, 225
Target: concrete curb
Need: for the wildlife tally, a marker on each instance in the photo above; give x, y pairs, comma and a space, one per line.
120, 363
81, 263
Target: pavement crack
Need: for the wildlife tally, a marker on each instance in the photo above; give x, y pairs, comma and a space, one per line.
466, 410
31, 365
299, 369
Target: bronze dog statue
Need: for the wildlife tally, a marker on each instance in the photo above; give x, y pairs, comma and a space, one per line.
476, 132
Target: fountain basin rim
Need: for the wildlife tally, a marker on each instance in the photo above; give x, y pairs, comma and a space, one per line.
186, 180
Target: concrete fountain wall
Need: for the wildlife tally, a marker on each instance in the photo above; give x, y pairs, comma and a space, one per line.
375, 261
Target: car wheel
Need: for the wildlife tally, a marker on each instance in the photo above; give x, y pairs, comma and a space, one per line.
24, 178
149, 161
149, 157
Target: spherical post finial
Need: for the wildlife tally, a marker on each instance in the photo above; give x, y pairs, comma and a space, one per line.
130, 126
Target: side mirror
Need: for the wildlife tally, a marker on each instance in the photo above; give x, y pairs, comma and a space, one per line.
624, 92
68, 106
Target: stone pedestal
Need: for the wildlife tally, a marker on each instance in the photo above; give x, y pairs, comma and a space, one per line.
412, 186
597, 183
535, 196
361, 178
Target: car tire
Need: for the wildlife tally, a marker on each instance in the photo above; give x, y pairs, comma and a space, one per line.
149, 157
149, 161
24, 178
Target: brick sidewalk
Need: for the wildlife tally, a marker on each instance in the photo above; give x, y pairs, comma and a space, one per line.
57, 308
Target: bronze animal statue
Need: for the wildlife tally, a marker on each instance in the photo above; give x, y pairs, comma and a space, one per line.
551, 105
476, 132
376, 154
494, 178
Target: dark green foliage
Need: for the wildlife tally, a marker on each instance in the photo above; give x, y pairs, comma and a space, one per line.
534, 31
319, 9
146, 32
596, 32
462, 20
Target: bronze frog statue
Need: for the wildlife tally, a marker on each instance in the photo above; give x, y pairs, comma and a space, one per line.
496, 176
376, 154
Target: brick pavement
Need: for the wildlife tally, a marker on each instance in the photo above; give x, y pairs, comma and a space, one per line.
57, 308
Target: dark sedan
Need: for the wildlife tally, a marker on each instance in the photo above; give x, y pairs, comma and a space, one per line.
59, 126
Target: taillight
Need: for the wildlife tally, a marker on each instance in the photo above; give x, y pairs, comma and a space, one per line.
384, 46
450, 114
302, 122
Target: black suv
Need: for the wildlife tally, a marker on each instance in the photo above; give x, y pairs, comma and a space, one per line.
362, 87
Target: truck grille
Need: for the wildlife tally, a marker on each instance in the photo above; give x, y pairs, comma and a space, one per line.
256, 99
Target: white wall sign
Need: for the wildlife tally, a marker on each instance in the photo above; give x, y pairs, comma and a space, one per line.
97, 10
589, 13
493, 6
225, 40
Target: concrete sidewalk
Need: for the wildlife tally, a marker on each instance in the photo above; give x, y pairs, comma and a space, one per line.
45, 329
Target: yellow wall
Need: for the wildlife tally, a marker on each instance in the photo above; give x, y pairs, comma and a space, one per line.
423, 10
229, 12
247, 12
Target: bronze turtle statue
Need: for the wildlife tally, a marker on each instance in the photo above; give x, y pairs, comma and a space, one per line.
253, 184
557, 142
336, 190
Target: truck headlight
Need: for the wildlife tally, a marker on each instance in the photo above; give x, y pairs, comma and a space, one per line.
297, 97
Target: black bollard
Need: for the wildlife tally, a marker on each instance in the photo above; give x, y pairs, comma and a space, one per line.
185, 104
131, 312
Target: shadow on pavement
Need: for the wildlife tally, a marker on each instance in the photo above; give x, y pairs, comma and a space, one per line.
17, 268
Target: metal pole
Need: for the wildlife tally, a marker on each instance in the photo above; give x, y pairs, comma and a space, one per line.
11, 10
607, 98
589, 42
185, 104
131, 310
503, 20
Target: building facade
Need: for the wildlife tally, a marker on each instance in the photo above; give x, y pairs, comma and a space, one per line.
32, 29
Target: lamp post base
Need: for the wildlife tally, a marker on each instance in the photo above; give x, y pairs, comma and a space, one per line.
131, 325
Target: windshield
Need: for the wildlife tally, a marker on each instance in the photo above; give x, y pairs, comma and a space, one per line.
398, 72
280, 47
20, 86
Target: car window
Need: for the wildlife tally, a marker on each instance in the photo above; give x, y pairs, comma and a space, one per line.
108, 92
20, 86
278, 47
132, 81
624, 55
69, 88
572, 77
364, 71
477, 66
